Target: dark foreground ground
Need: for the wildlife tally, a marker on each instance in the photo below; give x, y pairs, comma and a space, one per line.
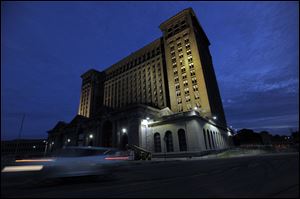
275, 175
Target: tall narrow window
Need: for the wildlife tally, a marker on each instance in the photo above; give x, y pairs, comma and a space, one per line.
208, 137
157, 143
212, 139
182, 140
204, 134
169, 141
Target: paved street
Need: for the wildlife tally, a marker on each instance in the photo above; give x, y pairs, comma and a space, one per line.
275, 175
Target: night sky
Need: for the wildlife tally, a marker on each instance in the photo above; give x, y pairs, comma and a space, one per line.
46, 46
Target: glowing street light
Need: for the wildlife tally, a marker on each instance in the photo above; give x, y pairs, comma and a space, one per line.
195, 108
214, 117
124, 130
147, 118
69, 140
91, 136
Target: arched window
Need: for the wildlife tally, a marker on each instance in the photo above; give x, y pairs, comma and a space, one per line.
218, 139
208, 137
204, 134
157, 143
169, 141
182, 140
212, 139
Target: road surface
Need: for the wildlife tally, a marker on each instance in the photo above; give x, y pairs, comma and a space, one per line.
275, 175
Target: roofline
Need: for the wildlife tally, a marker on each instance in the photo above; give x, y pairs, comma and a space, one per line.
178, 15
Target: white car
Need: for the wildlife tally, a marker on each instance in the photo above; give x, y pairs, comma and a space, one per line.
72, 161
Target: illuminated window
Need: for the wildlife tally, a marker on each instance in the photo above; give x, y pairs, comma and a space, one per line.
194, 80
193, 73
195, 87
186, 91
185, 83
179, 101
187, 98
197, 95
182, 69
175, 71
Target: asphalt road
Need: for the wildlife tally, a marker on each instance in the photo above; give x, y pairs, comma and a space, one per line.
274, 175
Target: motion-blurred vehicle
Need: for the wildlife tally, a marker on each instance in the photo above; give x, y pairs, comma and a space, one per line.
72, 162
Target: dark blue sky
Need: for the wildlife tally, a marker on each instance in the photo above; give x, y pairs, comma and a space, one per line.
46, 46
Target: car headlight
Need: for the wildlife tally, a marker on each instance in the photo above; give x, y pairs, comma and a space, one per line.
22, 168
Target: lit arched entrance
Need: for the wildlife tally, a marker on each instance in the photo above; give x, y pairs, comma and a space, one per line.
107, 134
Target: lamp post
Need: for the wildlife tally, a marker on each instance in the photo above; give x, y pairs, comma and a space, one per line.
91, 136
147, 132
145, 123
46, 145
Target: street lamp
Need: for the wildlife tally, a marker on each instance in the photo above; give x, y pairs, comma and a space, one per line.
68, 140
214, 117
145, 123
91, 136
46, 145
124, 130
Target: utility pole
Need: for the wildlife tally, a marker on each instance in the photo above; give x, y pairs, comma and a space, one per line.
19, 135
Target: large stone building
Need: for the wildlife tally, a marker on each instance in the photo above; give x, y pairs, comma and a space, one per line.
163, 97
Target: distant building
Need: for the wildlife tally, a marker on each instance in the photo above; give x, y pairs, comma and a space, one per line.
23, 147
163, 97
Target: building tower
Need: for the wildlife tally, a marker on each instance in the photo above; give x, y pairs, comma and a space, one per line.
91, 98
191, 77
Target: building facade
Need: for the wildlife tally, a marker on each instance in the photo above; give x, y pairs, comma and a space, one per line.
164, 94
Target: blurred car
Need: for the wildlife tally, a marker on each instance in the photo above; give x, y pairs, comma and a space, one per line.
72, 162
